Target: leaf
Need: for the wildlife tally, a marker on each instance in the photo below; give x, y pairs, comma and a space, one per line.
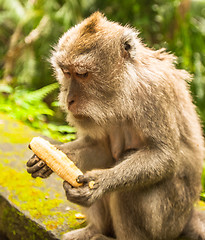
61, 128
40, 94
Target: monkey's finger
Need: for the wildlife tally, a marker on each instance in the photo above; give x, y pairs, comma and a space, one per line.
86, 181
32, 161
82, 179
47, 173
40, 172
40, 164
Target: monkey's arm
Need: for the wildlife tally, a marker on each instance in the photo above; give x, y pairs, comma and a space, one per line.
143, 168
88, 154
84, 152
139, 169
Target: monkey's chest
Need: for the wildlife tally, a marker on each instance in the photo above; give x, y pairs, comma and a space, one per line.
122, 139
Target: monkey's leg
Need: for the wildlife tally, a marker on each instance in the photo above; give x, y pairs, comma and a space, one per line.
195, 228
99, 223
127, 216
148, 214
99, 216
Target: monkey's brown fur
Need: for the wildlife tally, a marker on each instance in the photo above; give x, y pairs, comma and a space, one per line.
139, 137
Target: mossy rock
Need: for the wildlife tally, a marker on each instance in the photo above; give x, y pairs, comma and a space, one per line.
29, 208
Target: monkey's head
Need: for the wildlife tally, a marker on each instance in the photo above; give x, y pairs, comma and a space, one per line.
95, 63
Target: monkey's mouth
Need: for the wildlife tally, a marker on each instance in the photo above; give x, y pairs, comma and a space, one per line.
79, 116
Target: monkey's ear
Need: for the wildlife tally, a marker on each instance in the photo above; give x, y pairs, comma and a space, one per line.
129, 43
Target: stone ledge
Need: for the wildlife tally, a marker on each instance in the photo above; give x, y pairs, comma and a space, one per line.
15, 225
30, 208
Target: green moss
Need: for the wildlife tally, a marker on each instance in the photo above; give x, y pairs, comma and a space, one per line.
73, 223
14, 131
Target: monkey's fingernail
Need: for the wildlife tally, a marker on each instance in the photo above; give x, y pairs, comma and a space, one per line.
41, 164
29, 147
81, 179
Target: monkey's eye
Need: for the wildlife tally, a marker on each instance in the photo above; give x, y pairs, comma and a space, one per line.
127, 46
82, 75
66, 72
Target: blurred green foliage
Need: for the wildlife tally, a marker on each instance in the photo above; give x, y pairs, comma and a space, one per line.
29, 107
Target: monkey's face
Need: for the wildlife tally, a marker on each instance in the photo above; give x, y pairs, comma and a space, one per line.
90, 62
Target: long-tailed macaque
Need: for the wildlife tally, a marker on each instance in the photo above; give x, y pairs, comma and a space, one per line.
139, 137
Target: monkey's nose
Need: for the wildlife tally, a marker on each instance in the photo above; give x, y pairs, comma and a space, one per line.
70, 103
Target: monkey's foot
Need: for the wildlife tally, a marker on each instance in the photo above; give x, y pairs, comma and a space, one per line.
80, 234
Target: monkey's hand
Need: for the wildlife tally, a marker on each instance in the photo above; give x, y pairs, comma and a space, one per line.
85, 195
37, 167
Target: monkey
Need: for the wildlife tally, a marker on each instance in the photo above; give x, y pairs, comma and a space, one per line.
139, 137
